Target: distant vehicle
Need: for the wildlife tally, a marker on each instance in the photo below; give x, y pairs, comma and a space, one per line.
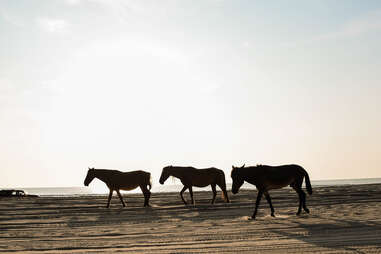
15, 193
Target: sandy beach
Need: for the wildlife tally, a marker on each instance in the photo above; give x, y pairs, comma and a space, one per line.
343, 219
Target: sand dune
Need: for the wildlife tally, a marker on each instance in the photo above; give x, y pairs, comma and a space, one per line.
343, 219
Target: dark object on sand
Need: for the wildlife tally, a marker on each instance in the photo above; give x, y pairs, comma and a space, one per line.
15, 193
117, 180
267, 178
191, 176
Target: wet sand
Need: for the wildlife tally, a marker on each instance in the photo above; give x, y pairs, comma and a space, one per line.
344, 219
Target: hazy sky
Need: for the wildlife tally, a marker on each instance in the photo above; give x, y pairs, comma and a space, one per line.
145, 84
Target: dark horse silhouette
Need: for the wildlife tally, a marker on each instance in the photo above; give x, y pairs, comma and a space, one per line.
117, 180
190, 176
266, 178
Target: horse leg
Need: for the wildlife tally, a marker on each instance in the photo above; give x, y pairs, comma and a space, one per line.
225, 194
259, 196
191, 194
109, 198
267, 195
121, 198
298, 189
146, 193
214, 192
181, 194
303, 194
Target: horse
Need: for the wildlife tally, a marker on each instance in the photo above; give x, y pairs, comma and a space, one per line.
267, 178
117, 180
190, 176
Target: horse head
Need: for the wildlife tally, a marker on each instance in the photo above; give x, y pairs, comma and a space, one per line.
237, 178
89, 177
165, 174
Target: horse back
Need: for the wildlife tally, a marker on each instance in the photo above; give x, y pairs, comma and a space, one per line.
275, 177
206, 176
206, 172
133, 179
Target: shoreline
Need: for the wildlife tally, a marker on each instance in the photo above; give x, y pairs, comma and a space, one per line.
81, 190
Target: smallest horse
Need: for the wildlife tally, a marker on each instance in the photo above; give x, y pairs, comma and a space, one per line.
267, 178
117, 180
190, 176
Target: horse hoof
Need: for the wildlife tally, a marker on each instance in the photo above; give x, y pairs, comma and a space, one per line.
307, 211
272, 215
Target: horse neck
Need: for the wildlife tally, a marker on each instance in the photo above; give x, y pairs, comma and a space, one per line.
249, 174
102, 175
176, 172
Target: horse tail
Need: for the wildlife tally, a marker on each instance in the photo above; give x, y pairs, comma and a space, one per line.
149, 181
223, 186
308, 183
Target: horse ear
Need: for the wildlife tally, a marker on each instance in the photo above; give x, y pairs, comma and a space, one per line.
243, 166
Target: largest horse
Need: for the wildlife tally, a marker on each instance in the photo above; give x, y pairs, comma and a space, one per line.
267, 178
190, 176
117, 180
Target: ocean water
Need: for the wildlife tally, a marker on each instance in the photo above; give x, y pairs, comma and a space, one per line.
171, 187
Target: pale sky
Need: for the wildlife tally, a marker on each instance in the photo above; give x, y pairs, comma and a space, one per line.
139, 85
